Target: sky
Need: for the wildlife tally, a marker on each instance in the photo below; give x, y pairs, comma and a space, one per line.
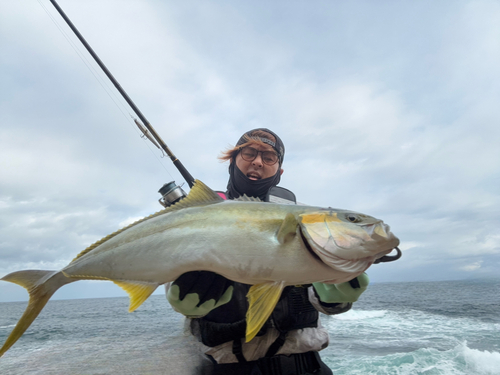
388, 108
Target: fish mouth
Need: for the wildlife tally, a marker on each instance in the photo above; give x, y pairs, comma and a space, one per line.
378, 228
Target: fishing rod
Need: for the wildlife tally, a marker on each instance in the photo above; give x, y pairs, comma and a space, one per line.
171, 190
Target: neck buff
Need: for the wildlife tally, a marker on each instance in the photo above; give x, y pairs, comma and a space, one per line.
240, 184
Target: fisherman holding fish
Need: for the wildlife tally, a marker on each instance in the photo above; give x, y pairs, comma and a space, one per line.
289, 341
242, 269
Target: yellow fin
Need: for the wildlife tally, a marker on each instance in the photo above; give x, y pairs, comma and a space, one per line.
262, 299
200, 194
138, 291
41, 285
287, 229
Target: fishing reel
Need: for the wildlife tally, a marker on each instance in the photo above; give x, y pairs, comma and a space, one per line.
170, 194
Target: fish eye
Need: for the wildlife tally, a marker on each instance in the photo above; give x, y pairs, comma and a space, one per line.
353, 218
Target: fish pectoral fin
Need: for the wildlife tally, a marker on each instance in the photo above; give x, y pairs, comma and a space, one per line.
288, 229
262, 299
138, 291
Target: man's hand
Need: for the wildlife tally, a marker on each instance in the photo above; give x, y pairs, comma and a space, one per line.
194, 294
344, 292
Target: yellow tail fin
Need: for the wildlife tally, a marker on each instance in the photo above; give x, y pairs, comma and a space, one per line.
41, 285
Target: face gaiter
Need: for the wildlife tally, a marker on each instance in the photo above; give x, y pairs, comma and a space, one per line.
240, 184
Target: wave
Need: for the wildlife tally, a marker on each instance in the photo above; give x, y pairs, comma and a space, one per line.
459, 360
481, 362
360, 315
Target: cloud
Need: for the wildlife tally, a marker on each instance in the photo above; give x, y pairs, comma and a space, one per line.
390, 110
472, 267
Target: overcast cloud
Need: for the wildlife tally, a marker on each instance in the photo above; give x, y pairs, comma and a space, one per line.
387, 108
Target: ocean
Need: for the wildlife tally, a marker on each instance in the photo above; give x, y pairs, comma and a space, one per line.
447, 327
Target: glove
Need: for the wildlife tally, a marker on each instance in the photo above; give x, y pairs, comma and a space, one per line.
194, 294
344, 292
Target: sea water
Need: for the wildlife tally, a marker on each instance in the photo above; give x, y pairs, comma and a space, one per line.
450, 327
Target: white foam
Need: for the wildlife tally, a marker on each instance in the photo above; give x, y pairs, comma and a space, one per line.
458, 360
481, 362
361, 315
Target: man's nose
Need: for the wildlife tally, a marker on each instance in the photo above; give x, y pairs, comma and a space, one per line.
258, 160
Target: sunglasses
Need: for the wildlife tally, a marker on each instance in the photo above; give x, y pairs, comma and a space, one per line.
268, 157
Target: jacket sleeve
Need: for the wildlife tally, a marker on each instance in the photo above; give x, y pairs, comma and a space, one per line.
327, 308
196, 293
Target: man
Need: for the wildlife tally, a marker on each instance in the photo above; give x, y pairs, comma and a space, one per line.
290, 340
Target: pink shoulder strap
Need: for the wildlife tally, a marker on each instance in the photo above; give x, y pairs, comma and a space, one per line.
222, 195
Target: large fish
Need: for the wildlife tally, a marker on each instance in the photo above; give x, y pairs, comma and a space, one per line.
266, 245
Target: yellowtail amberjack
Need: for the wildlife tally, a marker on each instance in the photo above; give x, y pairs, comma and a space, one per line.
266, 245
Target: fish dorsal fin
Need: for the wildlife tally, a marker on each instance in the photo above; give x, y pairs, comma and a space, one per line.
288, 229
138, 291
199, 195
262, 299
246, 198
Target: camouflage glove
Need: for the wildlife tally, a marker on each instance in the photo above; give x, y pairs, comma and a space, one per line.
194, 294
344, 292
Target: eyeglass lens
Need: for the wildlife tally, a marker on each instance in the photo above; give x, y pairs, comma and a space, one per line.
268, 157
